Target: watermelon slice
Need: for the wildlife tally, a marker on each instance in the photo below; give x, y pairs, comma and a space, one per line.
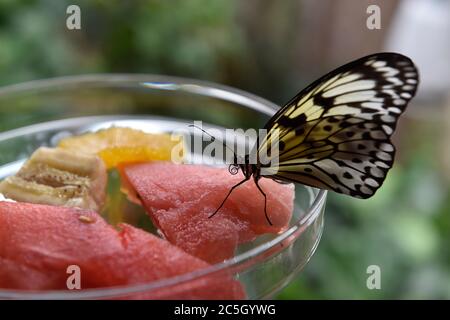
180, 198
39, 242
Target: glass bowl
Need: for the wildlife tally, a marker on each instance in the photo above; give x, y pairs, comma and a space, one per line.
40, 112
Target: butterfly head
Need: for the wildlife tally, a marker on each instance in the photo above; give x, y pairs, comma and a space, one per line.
248, 169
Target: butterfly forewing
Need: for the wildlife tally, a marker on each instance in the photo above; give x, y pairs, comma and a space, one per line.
335, 134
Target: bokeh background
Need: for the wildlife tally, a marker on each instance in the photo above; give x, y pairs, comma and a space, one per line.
273, 49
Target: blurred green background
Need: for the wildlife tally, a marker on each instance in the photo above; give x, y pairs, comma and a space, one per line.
273, 49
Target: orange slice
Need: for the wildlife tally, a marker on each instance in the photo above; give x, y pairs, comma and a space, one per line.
118, 145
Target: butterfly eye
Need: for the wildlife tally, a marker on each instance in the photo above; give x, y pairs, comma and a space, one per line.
233, 169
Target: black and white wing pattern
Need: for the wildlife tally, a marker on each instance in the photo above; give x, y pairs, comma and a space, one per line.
335, 134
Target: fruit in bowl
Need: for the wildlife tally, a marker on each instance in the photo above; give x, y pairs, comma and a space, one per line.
54, 217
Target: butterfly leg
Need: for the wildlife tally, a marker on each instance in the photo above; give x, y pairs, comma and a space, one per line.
265, 201
229, 193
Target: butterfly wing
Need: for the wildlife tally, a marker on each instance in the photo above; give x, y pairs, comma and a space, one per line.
335, 134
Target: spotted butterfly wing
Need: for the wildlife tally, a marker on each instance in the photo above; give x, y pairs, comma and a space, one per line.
335, 134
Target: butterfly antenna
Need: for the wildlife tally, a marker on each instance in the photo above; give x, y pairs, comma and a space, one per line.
213, 138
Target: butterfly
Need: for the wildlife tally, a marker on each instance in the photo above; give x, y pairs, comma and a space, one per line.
335, 134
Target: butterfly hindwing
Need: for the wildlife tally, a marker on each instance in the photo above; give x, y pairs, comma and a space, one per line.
335, 134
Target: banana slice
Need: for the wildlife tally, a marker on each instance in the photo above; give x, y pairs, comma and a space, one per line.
59, 177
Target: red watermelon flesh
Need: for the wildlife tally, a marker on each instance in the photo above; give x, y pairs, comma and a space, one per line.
39, 242
180, 198
151, 258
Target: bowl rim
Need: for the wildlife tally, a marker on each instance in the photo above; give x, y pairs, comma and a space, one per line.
161, 82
